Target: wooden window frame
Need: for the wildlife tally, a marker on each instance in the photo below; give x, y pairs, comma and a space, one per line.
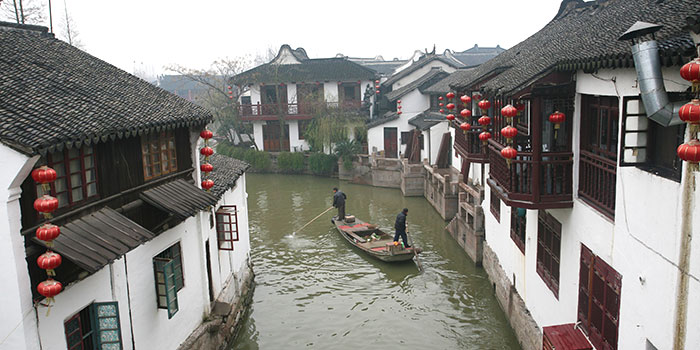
153, 147
68, 172
495, 206
518, 227
302, 126
594, 110
169, 278
91, 328
599, 295
227, 231
549, 250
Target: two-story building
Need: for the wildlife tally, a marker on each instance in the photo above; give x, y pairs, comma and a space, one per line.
146, 253
589, 216
286, 93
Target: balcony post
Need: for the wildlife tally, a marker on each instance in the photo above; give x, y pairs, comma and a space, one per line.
535, 179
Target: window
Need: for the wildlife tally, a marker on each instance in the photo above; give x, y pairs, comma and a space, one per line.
495, 206
405, 136
159, 156
518, 225
648, 145
76, 176
169, 278
599, 300
548, 250
302, 127
227, 226
94, 327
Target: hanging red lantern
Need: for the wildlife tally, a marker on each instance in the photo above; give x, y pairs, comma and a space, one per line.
376, 86
377, 92
465, 113
450, 95
206, 134
442, 110
398, 107
557, 118
231, 97
48, 232
465, 127
206, 151
49, 261
484, 105
509, 153
509, 133
49, 288
450, 106
520, 107
376, 81
229, 87
509, 112
690, 151
477, 96
450, 117
485, 120
399, 112
44, 175
484, 137
690, 113
399, 101
441, 104
691, 72
46, 204
207, 184
466, 99
440, 98
206, 167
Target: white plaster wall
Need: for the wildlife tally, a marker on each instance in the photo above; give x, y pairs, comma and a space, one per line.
420, 72
414, 102
330, 91
296, 144
292, 93
375, 135
255, 94
258, 134
436, 133
18, 322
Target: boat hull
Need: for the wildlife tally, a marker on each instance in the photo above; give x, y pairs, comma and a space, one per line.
373, 241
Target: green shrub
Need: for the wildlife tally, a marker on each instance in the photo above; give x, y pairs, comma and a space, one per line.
259, 160
322, 164
289, 162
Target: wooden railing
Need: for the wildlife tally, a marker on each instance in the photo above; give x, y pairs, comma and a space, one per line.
469, 146
533, 182
597, 178
293, 109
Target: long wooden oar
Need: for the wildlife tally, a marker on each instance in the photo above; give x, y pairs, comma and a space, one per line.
314, 219
415, 254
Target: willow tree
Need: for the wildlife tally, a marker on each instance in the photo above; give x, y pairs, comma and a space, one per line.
332, 124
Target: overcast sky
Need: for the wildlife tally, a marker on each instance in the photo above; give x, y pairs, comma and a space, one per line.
147, 35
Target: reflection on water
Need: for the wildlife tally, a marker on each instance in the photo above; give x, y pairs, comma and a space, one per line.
314, 290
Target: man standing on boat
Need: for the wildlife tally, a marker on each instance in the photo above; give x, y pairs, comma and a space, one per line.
400, 227
339, 202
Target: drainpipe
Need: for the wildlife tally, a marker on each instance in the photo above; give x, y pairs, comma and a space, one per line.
660, 110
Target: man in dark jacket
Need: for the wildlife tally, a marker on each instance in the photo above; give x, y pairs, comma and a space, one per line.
339, 202
400, 227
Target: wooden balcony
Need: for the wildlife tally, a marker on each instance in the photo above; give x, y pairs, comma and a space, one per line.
541, 182
292, 111
597, 179
469, 146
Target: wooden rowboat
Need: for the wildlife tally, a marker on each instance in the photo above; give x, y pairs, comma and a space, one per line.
373, 241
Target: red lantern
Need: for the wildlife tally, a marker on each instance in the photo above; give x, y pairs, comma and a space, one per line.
466, 99
450, 95
509, 112
557, 118
46, 204
690, 151
399, 112
206, 168
485, 120
49, 288
229, 87
231, 97
691, 72
376, 86
520, 107
484, 137
398, 107
47, 232
206, 151
450, 117
466, 113
399, 101
44, 175
477, 96
441, 104
376, 81
465, 127
207, 184
509, 153
690, 113
440, 98
206, 134
509, 133
442, 110
377, 92
49, 261
450, 106
484, 105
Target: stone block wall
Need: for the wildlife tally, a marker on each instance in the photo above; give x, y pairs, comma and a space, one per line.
412, 179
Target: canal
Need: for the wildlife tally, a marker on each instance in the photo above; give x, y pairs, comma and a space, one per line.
314, 290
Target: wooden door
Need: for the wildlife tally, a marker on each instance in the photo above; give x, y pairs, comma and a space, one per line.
391, 149
271, 137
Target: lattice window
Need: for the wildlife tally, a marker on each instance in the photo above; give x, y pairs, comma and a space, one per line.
159, 155
518, 220
549, 250
227, 226
495, 206
169, 278
95, 327
76, 179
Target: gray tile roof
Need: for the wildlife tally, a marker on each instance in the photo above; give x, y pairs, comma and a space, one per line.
433, 75
52, 94
477, 55
309, 70
179, 198
226, 171
387, 117
426, 120
443, 86
422, 62
583, 35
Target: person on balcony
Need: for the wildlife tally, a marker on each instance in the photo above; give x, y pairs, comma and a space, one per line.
339, 202
400, 227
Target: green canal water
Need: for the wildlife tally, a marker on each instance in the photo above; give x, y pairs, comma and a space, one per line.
315, 291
